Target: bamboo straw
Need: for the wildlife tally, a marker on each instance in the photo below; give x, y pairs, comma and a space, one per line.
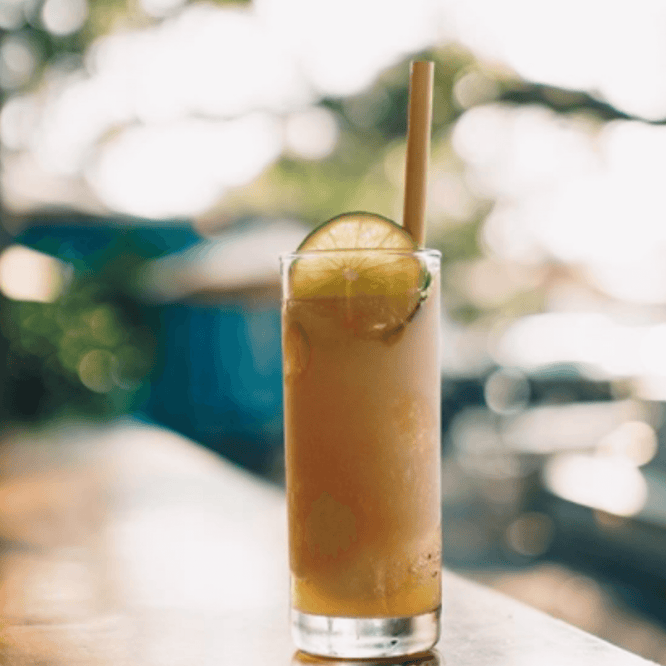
419, 122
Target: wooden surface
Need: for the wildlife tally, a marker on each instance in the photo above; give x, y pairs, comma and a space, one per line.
131, 546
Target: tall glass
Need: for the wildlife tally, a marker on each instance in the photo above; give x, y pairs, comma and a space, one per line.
362, 440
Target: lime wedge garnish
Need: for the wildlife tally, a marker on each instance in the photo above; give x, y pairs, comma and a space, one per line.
366, 275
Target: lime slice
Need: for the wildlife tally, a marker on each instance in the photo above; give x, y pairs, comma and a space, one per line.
360, 268
352, 231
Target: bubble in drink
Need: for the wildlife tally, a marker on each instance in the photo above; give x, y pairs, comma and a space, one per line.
296, 350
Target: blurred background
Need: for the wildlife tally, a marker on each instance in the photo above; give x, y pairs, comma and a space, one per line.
157, 155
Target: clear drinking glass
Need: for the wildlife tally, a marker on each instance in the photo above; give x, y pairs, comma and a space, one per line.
362, 445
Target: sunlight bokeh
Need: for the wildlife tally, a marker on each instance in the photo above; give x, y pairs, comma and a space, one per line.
186, 68
610, 484
591, 45
28, 275
182, 168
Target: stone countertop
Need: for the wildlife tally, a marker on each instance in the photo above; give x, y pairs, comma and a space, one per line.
131, 546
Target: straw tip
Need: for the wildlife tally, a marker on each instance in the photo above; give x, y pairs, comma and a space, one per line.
425, 65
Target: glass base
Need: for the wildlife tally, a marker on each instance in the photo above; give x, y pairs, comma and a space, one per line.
364, 637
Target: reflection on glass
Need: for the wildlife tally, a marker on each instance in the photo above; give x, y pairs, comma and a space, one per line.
429, 658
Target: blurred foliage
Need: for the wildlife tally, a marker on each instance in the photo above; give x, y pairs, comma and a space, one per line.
356, 175
103, 17
91, 350
365, 171
87, 353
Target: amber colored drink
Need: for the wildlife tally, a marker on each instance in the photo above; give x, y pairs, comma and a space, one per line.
362, 438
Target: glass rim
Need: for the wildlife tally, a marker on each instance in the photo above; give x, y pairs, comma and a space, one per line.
425, 253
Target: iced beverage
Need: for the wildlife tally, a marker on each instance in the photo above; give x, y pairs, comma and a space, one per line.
362, 439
